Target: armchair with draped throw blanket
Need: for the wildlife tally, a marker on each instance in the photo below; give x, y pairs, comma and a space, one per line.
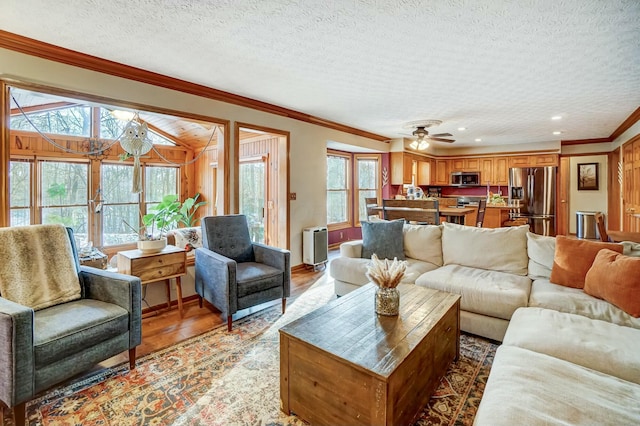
232, 273
58, 318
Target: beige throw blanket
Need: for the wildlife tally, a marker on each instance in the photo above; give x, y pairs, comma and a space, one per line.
37, 267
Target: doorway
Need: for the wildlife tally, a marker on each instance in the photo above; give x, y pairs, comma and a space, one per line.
262, 156
253, 189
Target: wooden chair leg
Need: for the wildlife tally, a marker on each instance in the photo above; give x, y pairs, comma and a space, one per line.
284, 305
200, 301
19, 414
132, 359
229, 323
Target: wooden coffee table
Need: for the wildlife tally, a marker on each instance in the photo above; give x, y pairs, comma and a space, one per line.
343, 364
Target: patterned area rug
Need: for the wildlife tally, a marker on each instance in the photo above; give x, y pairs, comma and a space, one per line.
222, 378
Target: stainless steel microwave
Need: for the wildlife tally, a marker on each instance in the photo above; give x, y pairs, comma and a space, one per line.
465, 178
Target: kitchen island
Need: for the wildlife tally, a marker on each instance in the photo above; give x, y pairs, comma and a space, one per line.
495, 215
412, 210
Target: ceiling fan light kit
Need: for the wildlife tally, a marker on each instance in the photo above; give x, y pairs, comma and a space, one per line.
421, 134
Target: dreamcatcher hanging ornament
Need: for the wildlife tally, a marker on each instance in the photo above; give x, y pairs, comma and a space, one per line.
135, 142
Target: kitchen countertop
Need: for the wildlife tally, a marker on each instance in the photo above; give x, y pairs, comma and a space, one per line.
501, 206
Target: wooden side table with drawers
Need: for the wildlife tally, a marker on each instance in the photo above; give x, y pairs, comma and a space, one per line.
170, 263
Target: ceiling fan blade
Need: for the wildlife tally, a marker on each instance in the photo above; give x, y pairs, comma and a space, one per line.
440, 135
442, 139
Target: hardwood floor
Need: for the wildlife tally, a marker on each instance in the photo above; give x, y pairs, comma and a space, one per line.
166, 328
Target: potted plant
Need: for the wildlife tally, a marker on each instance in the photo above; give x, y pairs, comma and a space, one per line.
188, 211
163, 217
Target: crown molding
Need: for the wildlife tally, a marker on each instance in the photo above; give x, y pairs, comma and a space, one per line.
626, 125
585, 141
54, 53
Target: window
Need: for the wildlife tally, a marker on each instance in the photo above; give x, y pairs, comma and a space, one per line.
119, 205
73, 120
87, 191
159, 181
64, 196
338, 205
20, 193
113, 122
121, 208
367, 172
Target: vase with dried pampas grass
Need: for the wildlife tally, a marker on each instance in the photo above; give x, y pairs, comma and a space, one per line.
386, 275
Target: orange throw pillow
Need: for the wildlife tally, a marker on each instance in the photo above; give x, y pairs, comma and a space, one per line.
615, 278
573, 258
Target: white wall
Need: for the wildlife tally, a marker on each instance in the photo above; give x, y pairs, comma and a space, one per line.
587, 200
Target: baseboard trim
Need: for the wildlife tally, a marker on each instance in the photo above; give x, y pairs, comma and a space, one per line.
174, 303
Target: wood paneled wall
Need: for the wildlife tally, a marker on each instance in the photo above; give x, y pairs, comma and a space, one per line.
206, 177
267, 147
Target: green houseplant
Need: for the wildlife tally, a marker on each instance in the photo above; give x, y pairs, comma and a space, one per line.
164, 216
188, 211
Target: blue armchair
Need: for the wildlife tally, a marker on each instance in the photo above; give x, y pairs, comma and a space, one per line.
232, 273
43, 346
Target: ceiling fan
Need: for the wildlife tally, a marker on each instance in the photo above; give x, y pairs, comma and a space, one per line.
422, 135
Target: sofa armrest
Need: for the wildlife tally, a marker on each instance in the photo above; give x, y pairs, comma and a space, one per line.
216, 274
16, 353
351, 249
119, 289
277, 258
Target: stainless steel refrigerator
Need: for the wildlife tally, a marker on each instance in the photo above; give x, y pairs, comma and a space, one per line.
533, 190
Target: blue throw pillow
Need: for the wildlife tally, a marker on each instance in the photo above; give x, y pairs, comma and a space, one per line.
384, 238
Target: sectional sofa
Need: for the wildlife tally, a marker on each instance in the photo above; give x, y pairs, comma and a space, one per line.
566, 357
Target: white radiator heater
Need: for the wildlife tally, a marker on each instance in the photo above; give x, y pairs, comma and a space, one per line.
315, 242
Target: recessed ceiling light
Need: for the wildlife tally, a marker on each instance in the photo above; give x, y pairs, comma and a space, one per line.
557, 133
556, 117
478, 140
462, 129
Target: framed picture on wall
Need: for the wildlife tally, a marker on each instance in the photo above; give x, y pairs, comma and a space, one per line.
588, 177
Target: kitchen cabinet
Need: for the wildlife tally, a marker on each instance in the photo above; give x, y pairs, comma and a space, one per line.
465, 165
486, 170
407, 169
546, 160
533, 160
424, 172
500, 171
401, 165
441, 172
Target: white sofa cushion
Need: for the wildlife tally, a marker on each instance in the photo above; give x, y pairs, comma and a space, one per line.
353, 270
529, 388
541, 250
630, 248
423, 242
492, 293
545, 294
351, 249
498, 249
599, 345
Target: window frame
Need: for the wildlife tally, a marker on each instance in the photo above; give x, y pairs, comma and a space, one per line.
31, 207
356, 174
39, 187
348, 190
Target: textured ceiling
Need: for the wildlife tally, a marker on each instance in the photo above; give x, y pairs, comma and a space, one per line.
499, 68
